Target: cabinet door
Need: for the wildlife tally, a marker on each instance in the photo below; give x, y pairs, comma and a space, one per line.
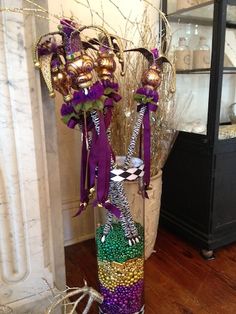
227, 119
191, 23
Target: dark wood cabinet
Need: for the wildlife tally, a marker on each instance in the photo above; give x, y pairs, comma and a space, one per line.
199, 178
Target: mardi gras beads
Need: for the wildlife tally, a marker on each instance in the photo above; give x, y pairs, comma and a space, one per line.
120, 270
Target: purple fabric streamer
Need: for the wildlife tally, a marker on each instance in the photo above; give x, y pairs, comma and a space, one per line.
110, 207
100, 163
150, 106
112, 97
85, 171
100, 159
84, 192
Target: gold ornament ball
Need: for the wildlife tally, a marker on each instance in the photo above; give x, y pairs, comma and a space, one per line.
105, 65
151, 78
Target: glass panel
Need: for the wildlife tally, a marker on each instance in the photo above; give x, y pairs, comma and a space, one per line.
192, 102
231, 14
194, 8
120, 246
227, 128
191, 46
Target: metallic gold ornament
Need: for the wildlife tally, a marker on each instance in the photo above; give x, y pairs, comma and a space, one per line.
151, 78
80, 66
61, 81
105, 65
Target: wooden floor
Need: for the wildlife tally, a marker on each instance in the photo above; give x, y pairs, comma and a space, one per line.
177, 279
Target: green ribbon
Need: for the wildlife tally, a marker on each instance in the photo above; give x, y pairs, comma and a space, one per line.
108, 91
143, 99
86, 106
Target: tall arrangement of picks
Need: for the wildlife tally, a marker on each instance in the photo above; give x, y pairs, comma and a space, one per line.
84, 70
90, 91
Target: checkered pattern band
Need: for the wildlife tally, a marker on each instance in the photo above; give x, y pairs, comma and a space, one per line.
130, 174
140, 312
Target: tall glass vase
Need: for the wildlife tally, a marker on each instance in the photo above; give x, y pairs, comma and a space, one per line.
120, 244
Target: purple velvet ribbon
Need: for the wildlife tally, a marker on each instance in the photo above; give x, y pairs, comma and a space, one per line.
111, 98
100, 163
85, 171
66, 110
99, 159
151, 106
110, 207
79, 97
84, 191
95, 92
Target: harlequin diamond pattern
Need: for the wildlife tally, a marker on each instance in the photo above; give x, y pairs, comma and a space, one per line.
130, 174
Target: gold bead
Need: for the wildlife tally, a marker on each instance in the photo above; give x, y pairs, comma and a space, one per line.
67, 98
92, 190
52, 94
37, 64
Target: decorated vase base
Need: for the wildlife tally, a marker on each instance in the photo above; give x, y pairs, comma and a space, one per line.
140, 312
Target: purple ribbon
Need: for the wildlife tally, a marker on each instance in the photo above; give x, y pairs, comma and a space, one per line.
111, 98
108, 105
155, 53
109, 206
100, 163
81, 208
147, 142
84, 171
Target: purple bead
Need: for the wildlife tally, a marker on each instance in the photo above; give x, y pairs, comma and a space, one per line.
124, 300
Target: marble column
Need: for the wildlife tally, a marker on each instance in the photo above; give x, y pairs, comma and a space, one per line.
31, 232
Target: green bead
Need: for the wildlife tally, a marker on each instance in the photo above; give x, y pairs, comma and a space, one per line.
116, 247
